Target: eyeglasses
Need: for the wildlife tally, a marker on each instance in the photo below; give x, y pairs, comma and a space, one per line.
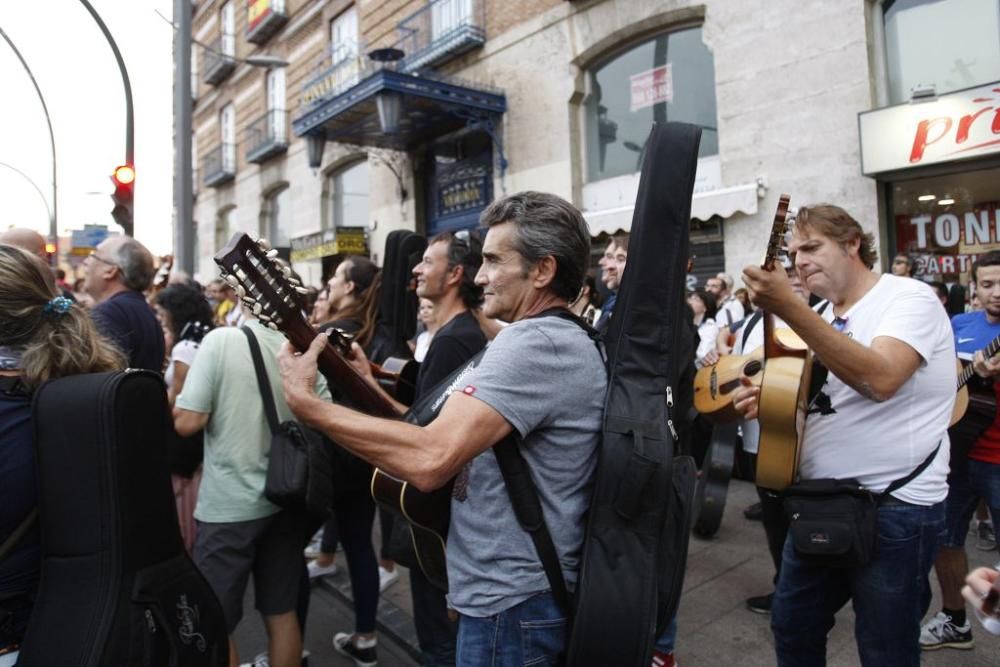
900, 261
93, 255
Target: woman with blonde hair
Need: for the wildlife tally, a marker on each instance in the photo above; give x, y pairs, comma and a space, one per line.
43, 336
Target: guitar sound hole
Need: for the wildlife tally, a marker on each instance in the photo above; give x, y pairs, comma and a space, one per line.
752, 368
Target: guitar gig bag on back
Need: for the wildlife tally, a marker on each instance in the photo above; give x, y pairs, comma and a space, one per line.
117, 587
635, 547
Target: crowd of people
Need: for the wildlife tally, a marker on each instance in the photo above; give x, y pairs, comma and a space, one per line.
878, 412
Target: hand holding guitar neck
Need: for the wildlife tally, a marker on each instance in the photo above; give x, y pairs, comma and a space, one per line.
273, 295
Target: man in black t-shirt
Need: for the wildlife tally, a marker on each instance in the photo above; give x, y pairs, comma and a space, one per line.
446, 277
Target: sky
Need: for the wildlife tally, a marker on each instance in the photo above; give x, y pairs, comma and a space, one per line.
80, 81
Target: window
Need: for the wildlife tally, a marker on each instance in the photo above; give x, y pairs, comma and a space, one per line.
279, 218
669, 77
276, 103
223, 225
227, 19
194, 74
349, 196
449, 15
344, 36
952, 44
227, 123
194, 163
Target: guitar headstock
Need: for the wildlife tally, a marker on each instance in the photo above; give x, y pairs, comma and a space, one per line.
777, 236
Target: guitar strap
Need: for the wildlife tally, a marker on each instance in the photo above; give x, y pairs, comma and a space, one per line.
524, 494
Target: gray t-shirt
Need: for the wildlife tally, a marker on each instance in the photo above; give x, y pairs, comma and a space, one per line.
547, 378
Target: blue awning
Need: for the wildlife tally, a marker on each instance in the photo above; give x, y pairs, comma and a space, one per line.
432, 104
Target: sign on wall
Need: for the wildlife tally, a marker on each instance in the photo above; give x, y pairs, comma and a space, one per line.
257, 11
947, 244
957, 126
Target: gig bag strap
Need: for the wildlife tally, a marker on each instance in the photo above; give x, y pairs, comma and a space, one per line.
528, 510
903, 481
19, 532
262, 381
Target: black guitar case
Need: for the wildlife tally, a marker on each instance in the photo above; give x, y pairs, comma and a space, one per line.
117, 587
713, 485
636, 543
397, 314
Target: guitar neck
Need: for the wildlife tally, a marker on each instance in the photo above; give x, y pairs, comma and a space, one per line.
771, 347
989, 352
339, 372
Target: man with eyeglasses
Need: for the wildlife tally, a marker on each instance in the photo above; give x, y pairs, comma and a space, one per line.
881, 414
117, 273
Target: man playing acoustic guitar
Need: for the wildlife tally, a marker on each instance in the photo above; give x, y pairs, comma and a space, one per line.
881, 413
536, 378
975, 464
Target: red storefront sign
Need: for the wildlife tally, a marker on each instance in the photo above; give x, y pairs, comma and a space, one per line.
651, 87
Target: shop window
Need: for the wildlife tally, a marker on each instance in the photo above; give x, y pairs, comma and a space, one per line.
348, 192
279, 218
950, 44
668, 77
945, 222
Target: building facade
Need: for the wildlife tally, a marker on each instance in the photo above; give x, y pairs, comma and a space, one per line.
415, 114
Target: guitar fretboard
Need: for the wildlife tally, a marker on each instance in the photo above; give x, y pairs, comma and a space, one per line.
988, 352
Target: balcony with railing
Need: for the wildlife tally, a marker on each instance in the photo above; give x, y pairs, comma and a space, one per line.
440, 31
219, 166
219, 59
264, 19
267, 136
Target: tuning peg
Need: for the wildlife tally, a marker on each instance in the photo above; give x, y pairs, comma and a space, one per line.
240, 290
272, 325
231, 279
287, 270
263, 317
294, 282
257, 308
271, 254
263, 243
301, 290
248, 302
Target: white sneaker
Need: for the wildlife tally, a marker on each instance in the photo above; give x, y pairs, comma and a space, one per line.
317, 570
940, 632
313, 550
386, 578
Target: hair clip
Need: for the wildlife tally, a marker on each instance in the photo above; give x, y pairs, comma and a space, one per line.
59, 305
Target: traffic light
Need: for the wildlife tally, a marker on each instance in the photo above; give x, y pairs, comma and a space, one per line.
51, 249
124, 180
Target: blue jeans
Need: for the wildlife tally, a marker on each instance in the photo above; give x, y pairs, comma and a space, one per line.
890, 594
969, 481
666, 641
530, 633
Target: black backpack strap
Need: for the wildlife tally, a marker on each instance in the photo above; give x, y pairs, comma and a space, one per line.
528, 509
903, 481
748, 327
263, 383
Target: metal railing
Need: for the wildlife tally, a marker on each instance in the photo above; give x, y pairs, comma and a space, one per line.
441, 30
267, 136
219, 59
430, 36
219, 166
267, 25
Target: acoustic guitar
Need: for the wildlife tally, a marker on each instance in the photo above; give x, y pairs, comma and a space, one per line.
975, 405
784, 388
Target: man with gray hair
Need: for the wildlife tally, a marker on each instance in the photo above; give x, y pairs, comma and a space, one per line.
536, 379
118, 272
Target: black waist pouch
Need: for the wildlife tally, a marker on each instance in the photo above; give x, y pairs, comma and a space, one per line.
832, 522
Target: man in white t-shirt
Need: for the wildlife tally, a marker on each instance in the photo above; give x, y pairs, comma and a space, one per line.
882, 411
729, 310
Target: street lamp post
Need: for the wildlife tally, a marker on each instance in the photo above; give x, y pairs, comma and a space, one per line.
33, 184
53, 229
129, 227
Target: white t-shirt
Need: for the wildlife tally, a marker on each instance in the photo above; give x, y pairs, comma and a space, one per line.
848, 435
423, 344
730, 311
708, 331
183, 352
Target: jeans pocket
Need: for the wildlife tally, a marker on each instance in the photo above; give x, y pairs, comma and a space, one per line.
543, 642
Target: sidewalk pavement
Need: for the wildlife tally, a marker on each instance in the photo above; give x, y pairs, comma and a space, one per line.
715, 627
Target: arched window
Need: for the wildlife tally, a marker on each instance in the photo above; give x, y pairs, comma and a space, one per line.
668, 77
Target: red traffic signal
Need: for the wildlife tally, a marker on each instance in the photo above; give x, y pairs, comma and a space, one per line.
124, 175
124, 179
